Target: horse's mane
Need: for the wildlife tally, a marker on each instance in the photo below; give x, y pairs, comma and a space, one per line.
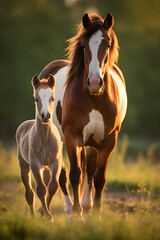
75, 49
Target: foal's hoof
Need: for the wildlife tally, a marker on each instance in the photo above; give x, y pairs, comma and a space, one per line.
45, 214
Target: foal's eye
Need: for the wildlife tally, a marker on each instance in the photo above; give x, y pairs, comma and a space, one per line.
36, 100
52, 99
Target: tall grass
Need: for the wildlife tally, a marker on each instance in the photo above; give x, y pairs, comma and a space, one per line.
136, 216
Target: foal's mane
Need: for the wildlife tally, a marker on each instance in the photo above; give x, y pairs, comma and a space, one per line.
75, 51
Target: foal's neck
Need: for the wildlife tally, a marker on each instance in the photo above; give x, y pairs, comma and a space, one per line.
43, 129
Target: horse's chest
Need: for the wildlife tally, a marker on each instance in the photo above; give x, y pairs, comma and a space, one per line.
94, 127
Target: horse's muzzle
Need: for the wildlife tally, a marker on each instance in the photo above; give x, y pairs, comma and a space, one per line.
45, 117
94, 84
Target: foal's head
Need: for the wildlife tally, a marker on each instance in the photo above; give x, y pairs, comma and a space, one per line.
44, 96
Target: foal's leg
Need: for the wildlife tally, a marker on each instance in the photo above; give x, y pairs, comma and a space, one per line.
41, 188
100, 174
64, 186
53, 184
87, 200
26, 179
46, 176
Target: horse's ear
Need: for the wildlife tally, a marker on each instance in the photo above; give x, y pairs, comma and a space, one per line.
86, 21
108, 21
35, 81
51, 81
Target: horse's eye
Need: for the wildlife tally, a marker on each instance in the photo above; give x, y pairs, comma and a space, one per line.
52, 99
36, 100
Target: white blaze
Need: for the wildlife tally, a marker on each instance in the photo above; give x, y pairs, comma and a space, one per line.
45, 95
94, 44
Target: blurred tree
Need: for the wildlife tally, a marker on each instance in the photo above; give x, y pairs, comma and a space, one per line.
33, 33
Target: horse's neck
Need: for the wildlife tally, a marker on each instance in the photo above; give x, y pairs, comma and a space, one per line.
43, 129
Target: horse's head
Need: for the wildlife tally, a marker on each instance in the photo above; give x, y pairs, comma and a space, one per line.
44, 96
96, 44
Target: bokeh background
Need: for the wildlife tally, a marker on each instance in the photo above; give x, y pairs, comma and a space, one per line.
34, 33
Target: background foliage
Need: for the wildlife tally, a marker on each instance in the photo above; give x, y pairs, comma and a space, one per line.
34, 32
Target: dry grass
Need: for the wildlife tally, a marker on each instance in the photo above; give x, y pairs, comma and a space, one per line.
131, 203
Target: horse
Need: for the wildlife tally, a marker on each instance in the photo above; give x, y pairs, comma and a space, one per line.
90, 103
40, 150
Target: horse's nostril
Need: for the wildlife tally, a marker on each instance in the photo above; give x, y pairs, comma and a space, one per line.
101, 82
88, 82
48, 115
42, 115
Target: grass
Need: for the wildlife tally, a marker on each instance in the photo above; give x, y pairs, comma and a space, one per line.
131, 202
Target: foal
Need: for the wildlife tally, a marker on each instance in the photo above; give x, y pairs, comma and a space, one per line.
40, 147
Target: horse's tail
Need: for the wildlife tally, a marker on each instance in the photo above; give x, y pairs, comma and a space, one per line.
83, 169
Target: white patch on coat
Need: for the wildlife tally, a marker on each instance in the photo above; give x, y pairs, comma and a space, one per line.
68, 204
45, 95
60, 78
95, 126
122, 93
94, 44
87, 200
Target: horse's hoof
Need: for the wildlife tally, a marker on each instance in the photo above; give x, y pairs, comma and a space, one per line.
69, 212
41, 211
87, 209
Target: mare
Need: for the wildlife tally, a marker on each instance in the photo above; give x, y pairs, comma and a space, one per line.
91, 104
40, 147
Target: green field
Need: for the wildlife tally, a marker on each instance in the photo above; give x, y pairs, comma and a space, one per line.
131, 201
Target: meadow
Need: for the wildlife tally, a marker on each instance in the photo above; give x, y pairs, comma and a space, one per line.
131, 200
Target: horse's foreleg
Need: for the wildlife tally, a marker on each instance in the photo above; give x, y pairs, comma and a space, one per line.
53, 184
87, 200
40, 188
26, 179
100, 174
75, 170
64, 186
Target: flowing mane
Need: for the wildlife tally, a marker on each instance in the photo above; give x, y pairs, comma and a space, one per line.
75, 51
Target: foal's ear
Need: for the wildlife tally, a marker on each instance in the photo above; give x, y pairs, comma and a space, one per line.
108, 21
51, 81
35, 81
86, 21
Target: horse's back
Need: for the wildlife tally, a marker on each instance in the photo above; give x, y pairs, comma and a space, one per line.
53, 68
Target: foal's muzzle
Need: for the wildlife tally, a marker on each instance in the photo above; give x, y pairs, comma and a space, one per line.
45, 117
94, 84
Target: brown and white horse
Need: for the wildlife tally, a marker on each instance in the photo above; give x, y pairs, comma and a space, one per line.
90, 103
40, 150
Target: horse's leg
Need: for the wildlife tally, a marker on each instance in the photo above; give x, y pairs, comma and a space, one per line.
53, 184
26, 179
75, 170
46, 176
64, 186
83, 170
100, 174
87, 200
40, 188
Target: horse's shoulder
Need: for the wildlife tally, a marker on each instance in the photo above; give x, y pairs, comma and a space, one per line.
24, 128
53, 68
